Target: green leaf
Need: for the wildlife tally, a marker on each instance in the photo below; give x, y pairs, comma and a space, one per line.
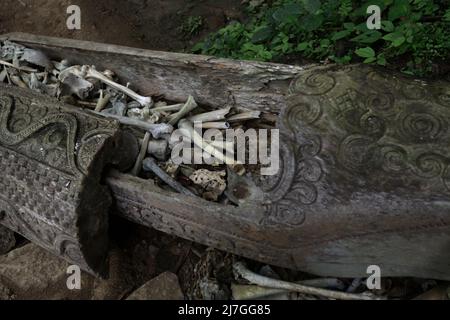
387, 26
370, 60
312, 5
361, 27
398, 42
349, 26
368, 37
287, 12
312, 22
302, 46
366, 52
381, 60
262, 34
198, 47
264, 55
342, 60
341, 34
396, 38
401, 8
325, 43
447, 15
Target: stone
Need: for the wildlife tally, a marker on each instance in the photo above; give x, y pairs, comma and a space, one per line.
31, 268
30, 272
441, 292
163, 287
121, 278
212, 290
6, 293
7, 240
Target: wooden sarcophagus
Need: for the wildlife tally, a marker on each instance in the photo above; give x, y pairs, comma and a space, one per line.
363, 178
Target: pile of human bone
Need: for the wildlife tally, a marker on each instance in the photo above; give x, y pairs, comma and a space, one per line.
152, 121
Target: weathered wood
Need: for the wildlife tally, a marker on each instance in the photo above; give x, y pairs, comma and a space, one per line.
365, 170
211, 81
52, 158
364, 180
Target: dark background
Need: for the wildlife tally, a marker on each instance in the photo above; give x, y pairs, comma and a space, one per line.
148, 24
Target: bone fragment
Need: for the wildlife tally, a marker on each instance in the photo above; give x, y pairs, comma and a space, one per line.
157, 130
150, 164
188, 107
212, 116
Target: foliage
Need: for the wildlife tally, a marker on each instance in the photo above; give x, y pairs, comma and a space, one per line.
414, 34
191, 26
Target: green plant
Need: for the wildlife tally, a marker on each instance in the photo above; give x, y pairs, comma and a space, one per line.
414, 34
191, 26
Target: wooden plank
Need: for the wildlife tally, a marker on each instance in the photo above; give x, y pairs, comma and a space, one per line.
211, 81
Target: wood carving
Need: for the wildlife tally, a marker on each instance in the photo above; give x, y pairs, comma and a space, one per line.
51, 158
364, 176
363, 180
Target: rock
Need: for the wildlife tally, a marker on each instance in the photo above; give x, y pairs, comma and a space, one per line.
212, 290
163, 287
206, 278
31, 268
6, 293
441, 292
121, 278
30, 272
7, 240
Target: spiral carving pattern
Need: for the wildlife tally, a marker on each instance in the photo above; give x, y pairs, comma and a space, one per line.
302, 112
311, 84
356, 152
421, 127
394, 159
429, 165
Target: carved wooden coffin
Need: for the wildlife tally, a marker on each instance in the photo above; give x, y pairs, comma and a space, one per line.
51, 161
364, 177
364, 180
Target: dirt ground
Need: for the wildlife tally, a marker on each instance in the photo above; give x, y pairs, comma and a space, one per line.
149, 24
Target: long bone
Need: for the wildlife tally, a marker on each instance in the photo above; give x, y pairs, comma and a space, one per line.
245, 116
157, 130
187, 130
187, 107
212, 116
90, 72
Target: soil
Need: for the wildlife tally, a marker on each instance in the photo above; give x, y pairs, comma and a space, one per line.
148, 24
